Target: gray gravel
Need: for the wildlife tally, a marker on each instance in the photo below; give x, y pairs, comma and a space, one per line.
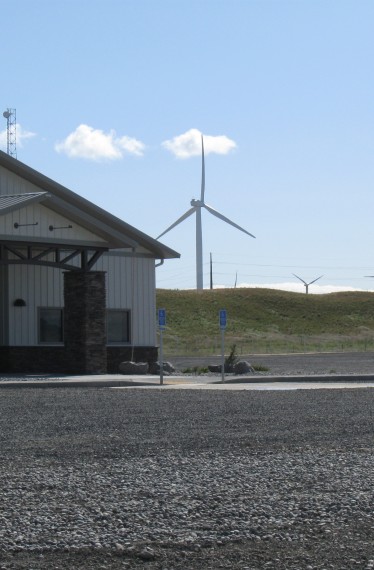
182, 479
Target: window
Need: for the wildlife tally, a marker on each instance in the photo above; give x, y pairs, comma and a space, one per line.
50, 325
118, 326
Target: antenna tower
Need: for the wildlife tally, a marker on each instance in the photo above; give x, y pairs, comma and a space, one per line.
10, 116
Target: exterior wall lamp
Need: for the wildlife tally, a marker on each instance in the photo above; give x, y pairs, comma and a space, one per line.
17, 225
52, 228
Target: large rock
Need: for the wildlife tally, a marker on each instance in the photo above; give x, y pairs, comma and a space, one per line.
243, 367
129, 367
168, 368
215, 368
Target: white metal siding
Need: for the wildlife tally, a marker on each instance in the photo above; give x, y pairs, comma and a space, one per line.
3, 304
130, 285
11, 183
45, 218
130, 281
40, 287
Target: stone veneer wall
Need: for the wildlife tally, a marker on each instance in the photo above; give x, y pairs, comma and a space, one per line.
53, 359
84, 321
33, 359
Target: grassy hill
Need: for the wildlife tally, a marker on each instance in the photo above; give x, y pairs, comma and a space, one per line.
266, 321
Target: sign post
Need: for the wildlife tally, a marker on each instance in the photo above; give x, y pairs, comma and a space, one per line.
161, 326
222, 326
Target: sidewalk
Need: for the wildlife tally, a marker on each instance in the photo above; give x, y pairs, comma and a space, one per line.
252, 382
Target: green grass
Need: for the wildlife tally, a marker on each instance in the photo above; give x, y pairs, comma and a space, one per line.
266, 321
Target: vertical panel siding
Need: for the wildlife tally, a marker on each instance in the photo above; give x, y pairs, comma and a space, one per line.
40, 287
4, 305
12, 184
130, 285
44, 217
130, 281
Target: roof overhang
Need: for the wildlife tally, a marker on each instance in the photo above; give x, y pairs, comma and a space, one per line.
116, 232
9, 203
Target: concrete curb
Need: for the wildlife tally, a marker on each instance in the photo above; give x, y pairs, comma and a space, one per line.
301, 378
76, 383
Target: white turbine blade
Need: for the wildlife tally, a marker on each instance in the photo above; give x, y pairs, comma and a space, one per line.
221, 217
297, 277
202, 171
316, 279
179, 220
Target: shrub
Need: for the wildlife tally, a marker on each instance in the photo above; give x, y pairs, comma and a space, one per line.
231, 359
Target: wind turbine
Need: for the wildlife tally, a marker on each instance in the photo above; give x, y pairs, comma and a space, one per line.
196, 208
305, 283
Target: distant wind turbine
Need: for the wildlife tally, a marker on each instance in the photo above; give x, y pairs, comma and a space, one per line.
197, 205
305, 283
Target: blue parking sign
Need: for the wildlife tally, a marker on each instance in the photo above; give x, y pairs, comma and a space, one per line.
162, 318
222, 319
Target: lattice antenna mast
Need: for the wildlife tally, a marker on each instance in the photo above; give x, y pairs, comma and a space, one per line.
11, 146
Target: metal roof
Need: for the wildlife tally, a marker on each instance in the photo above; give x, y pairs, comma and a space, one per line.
16, 201
118, 233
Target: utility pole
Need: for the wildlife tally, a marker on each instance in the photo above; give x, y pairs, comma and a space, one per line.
211, 272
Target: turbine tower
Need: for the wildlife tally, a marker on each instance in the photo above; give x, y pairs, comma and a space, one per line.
305, 283
196, 208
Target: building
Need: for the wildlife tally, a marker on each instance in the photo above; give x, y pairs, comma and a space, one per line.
77, 284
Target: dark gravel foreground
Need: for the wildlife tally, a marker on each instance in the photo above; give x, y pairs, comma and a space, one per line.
109, 479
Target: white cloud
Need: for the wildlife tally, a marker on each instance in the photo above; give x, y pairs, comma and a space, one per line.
21, 136
3, 140
94, 144
189, 144
132, 146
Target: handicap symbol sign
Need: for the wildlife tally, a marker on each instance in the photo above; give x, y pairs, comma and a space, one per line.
222, 319
162, 318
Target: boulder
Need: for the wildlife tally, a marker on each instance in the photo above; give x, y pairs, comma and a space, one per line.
215, 368
129, 367
167, 367
243, 367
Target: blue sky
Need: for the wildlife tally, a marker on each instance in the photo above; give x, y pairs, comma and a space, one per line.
282, 90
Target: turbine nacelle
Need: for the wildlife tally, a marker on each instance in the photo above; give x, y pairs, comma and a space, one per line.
196, 203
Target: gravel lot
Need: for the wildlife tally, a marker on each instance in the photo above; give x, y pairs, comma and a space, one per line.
109, 479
